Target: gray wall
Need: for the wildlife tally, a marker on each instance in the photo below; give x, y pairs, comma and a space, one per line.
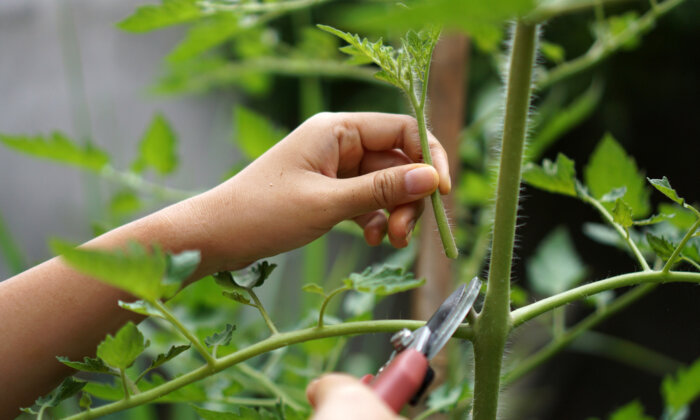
65, 66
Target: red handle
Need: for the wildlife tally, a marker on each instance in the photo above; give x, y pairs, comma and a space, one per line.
399, 382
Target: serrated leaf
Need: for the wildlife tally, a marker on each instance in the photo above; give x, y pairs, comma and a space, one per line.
141, 307
632, 411
254, 133
662, 247
59, 148
171, 354
88, 364
221, 338
313, 288
683, 388
135, 270
157, 149
206, 34
123, 348
169, 12
556, 177
665, 187
383, 280
555, 267
622, 214
238, 297
654, 219
66, 389
609, 168
254, 277
179, 267
613, 195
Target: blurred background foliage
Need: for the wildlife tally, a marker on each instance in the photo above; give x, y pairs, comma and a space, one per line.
249, 77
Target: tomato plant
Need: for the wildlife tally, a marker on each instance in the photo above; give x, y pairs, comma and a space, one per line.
262, 373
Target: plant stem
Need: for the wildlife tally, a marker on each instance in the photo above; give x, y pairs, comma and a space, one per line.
601, 50
448, 241
185, 332
679, 248
589, 322
493, 325
122, 375
526, 313
622, 232
269, 344
255, 402
268, 384
259, 7
263, 312
691, 262
327, 299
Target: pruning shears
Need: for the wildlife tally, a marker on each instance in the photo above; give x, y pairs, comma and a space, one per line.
407, 374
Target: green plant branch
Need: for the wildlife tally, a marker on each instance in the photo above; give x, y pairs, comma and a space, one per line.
589, 322
125, 386
256, 402
526, 313
691, 262
326, 300
601, 50
493, 325
620, 230
681, 245
269, 344
263, 312
448, 241
626, 352
269, 385
556, 9
185, 332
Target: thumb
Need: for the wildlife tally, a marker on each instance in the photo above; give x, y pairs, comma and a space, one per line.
385, 189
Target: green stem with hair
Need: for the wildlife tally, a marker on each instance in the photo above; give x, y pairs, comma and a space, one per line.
185, 332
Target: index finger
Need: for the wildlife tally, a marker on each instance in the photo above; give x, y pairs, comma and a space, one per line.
378, 131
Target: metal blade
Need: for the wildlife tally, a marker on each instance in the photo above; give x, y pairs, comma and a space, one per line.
449, 315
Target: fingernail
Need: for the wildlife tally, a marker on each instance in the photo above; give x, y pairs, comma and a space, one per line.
420, 180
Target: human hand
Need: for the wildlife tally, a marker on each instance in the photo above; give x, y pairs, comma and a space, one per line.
333, 167
338, 397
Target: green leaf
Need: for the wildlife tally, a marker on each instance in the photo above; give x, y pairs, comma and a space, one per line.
632, 411
66, 389
141, 307
9, 250
313, 288
171, 354
85, 401
556, 177
683, 388
625, 23
206, 34
88, 364
383, 280
475, 189
482, 20
603, 234
123, 348
662, 247
682, 218
665, 187
253, 133
169, 12
124, 202
59, 148
609, 168
179, 267
552, 52
256, 276
613, 195
158, 147
518, 296
221, 338
555, 267
622, 214
654, 219
133, 270
238, 297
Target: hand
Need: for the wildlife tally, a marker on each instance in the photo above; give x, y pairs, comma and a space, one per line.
331, 168
338, 397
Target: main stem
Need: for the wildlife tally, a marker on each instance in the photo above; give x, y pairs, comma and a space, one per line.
493, 324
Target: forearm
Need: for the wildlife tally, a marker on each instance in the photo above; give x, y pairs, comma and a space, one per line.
51, 310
